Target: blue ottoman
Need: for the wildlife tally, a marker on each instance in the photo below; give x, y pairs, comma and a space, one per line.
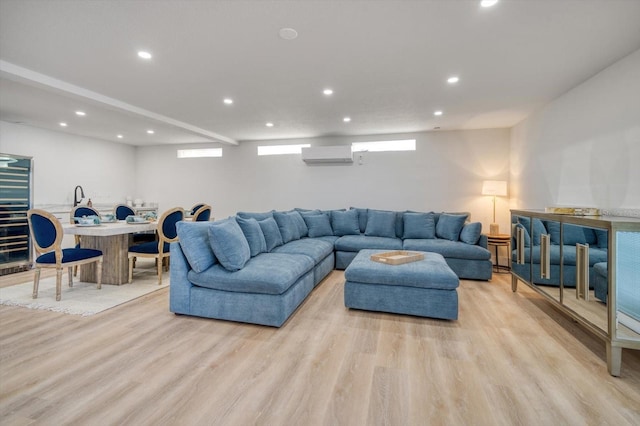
425, 288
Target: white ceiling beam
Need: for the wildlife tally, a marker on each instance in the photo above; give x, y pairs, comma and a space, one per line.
24, 75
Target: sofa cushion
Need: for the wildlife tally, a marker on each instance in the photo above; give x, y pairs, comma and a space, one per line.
328, 238
359, 242
314, 248
527, 237
271, 233
362, 217
194, 240
449, 226
287, 225
602, 237
449, 249
267, 273
318, 225
345, 222
419, 225
572, 234
300, 223
229, 244
538, 229
254, 235
381, 224
470, 233
256, 216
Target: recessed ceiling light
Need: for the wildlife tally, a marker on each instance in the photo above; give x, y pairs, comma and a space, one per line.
81, 113
144, 55
228, 101
150, 131
437, 113
453, 79
346, 119
488, 3
328, 92
120, 136
288, 33
269, 124
436, 128
63, 124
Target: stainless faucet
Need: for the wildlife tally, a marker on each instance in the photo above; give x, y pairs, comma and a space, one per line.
75, 195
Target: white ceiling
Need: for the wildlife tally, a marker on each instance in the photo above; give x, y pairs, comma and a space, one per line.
387, 62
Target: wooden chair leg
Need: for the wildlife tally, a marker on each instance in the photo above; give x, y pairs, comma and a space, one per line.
36, 283
99, 272
75, 271
159, 262
58, 284
70, 273
131, 260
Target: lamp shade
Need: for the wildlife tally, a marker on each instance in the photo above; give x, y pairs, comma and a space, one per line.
494, 187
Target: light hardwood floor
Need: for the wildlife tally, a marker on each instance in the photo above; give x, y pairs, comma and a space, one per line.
510, 359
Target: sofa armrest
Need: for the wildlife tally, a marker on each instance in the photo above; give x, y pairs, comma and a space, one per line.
483, 241
180, 286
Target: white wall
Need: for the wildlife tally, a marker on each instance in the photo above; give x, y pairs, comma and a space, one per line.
61, 161
582, 149
445, 173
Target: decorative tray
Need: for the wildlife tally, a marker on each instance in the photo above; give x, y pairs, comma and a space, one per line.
574, 211
397, 257
138, 222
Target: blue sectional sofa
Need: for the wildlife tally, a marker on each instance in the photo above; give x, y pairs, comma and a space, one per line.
259, 267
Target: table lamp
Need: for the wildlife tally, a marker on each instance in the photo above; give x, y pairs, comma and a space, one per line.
494, 188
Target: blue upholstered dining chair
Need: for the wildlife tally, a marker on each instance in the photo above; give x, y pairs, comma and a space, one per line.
202, 214
195, 208
121, 211
80, 211
46, 232
159, 250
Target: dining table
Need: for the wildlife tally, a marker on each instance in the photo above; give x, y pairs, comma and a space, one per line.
113, 239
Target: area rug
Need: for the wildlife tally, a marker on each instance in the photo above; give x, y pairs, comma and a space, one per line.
83, 298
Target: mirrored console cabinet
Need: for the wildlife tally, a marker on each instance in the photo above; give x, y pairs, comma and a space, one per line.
588, 266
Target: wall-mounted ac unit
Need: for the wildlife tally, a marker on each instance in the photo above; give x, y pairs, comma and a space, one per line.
327, 154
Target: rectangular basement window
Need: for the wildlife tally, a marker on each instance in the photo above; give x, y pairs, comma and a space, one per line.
281, 149
199, 153
381, 146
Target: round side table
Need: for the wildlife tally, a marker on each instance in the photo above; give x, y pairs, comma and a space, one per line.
496, 241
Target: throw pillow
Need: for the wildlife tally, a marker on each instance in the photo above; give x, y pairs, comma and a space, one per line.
194, 241
362, 217
287, 226
538, 228
256, 216
229, 244
319, 225
345, 222
527, 238
449, 226
419, 225
470, 233
254, 235
381, 224
302, 226
602, 237
271, 233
